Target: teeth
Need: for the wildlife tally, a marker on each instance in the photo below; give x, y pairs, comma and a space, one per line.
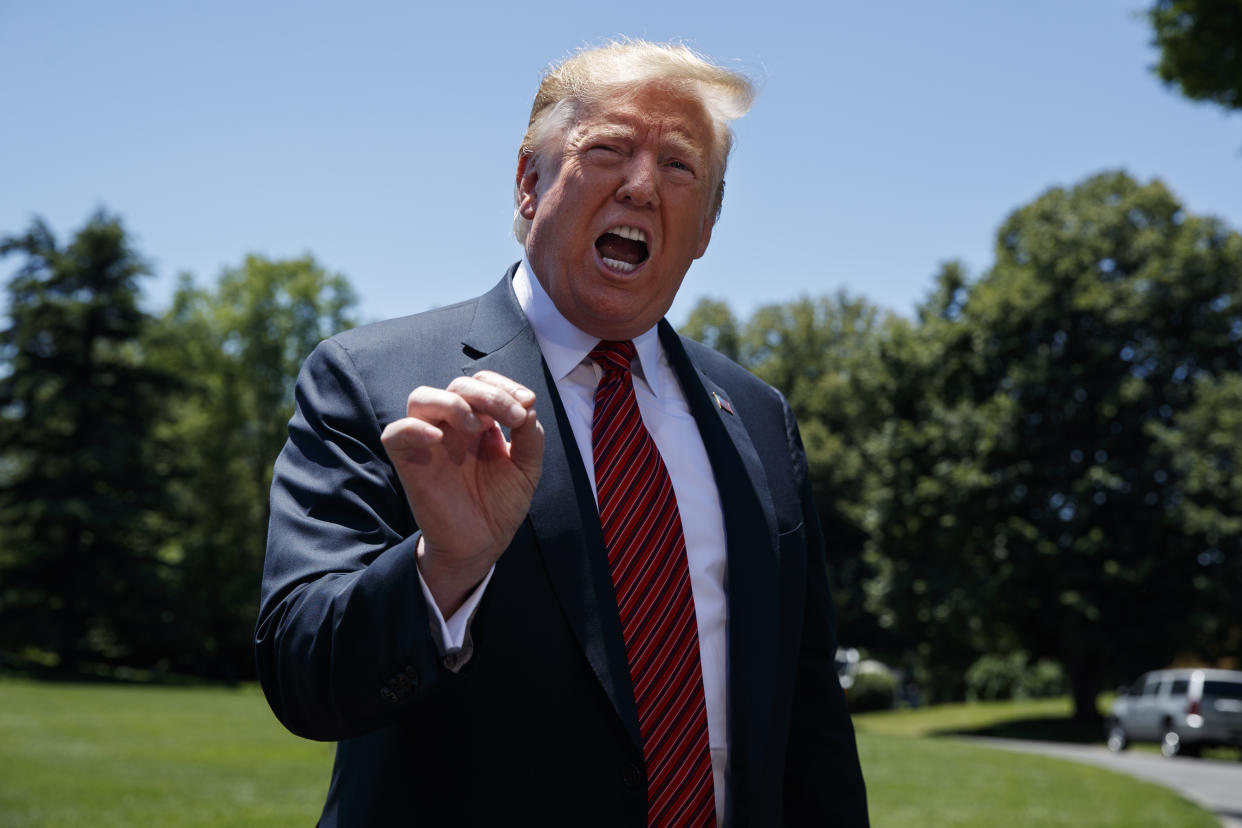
627, 232
617, 264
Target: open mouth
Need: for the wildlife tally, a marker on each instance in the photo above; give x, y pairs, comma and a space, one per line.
623, 248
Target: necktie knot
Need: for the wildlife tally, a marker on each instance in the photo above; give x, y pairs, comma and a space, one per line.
614, 356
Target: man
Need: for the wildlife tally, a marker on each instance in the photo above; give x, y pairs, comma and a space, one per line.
534, 559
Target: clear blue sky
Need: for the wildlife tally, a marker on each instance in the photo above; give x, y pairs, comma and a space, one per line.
381, 136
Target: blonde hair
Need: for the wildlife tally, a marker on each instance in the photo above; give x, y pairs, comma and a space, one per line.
591, 75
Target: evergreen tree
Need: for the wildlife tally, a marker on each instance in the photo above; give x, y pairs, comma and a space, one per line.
82, 482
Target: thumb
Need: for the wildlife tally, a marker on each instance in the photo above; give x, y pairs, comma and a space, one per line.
526, 446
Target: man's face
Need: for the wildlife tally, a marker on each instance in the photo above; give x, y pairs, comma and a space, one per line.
620, 212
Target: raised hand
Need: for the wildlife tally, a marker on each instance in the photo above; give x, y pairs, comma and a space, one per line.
468, 487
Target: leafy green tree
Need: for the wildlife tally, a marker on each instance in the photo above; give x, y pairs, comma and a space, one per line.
1204, 448
1200, 48
1045, 460
82, 482
238, 348
1030, 503
713, 323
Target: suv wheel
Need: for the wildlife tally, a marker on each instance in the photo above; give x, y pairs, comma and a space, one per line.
1118, 739
1173, 745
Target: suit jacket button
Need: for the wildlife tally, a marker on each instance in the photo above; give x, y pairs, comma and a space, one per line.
632, 776
387, 695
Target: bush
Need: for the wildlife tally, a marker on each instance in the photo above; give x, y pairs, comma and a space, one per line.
1012, 676
871, 691
1043, 679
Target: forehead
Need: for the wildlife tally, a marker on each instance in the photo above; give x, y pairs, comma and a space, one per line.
667, 114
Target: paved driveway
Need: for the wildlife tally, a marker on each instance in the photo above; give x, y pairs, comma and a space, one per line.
1213, 784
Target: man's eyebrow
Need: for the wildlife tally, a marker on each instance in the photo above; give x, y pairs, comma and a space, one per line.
674, 140
682, 143
609, 130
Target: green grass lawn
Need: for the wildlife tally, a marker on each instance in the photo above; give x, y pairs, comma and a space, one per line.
975, 718
109, 755
915, 778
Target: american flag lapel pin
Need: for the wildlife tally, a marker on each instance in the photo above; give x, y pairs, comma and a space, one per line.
724, 404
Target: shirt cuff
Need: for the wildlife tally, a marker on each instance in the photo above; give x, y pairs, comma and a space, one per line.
452, 635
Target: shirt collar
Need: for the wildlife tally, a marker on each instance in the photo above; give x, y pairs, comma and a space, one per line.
565, 346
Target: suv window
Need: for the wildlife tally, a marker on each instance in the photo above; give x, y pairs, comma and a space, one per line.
1180, 687
1151, 687
1223, 689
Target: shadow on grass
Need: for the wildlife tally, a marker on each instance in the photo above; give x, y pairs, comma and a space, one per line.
1067, 731
1041, 729
14, 666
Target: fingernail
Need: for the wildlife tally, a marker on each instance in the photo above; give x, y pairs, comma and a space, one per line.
524, 394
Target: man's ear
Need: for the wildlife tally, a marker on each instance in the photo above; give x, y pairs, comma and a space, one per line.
527, 181
709, 221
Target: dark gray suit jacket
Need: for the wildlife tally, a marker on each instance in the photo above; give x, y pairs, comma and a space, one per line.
540, 726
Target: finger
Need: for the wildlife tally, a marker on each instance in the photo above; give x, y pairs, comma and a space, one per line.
410, 435
526, 446
490, 399
439, 405
519, 392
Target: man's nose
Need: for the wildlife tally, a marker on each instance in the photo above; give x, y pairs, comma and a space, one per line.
640, 185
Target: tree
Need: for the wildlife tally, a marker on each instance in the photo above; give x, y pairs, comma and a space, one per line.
1204, 448
239, 349
1031, 503
82, 483
713, 323
1200, 48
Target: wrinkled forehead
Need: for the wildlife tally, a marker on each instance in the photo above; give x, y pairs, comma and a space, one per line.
670, 113
670, 134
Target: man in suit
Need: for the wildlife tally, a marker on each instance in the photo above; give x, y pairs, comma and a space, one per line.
447, 591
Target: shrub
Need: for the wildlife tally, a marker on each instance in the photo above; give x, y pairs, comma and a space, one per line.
871, 691
1042, 679
1012, 676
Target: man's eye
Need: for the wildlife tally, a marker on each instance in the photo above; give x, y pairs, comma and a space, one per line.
680, 165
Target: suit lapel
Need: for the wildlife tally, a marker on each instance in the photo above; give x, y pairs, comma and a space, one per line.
753, 566
569, 539
571, 543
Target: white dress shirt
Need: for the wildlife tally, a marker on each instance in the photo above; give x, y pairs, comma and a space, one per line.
667, 417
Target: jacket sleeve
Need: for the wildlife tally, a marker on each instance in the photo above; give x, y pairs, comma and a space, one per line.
823, 777
343, 640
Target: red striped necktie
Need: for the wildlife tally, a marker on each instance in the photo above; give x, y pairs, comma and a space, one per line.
647, 554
